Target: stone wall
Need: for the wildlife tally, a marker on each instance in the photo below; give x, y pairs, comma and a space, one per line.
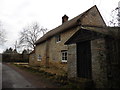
105, 56
72, 61
55, 48
113, 62
99, 63
32, 58
40, 50
50, 50
106, 62
93, 18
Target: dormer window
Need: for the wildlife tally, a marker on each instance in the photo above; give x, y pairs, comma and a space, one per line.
58, 38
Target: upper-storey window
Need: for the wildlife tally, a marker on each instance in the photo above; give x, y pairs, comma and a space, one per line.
58, 38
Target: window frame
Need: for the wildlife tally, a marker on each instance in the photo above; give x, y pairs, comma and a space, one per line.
58, 38
39, 57
64, 55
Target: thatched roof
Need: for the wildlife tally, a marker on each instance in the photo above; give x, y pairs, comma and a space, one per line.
32, 52
93, 32
111, 31
65, 26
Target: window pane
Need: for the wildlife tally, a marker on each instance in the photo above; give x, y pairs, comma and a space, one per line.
64, 55
58, 38
39, 58
62, 58
65, 58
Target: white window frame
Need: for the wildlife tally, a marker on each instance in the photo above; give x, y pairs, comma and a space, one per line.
64, 57
58, 38
39, 58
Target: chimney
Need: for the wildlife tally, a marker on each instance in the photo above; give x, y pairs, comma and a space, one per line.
64, 18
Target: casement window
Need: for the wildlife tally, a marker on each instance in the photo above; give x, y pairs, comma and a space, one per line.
64, 55
58, 38
39, 58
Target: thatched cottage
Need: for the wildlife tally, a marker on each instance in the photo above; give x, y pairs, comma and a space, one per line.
81, 45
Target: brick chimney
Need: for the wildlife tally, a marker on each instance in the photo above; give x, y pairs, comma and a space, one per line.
64, 18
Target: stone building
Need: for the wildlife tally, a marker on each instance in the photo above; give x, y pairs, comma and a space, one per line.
94, 53
80, 45
32, 58
51, 48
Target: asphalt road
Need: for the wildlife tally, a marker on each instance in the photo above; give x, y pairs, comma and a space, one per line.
0, 76
0, 71
12, 79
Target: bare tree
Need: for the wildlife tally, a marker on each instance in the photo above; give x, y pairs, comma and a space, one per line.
30, 34
16, 45
2, 34
115, 17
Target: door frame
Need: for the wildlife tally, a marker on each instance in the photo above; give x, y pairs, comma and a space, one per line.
86, 64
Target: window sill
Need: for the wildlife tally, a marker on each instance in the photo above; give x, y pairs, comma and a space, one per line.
38, 60
58, 42
64, 61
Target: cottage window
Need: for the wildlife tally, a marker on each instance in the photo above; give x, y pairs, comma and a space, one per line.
64, 55
32, 57
39, 58
58, 38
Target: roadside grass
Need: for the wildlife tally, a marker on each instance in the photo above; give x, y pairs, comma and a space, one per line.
61, 81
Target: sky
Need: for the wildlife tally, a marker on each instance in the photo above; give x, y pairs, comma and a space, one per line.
17, 14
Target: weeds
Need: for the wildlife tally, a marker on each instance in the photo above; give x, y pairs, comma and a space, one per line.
60, 80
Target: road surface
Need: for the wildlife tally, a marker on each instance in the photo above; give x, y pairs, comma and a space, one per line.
0, 76
0, 71
12, 79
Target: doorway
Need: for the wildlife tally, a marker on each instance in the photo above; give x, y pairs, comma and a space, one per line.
84, 59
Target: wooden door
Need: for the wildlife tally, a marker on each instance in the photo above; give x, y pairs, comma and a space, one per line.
84, 59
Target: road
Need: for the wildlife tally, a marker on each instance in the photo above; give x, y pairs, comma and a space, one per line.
0, 71
12, 79
0, 76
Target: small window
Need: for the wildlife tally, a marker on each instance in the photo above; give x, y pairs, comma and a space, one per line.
39, 58
33, 58
64, 56
58, 38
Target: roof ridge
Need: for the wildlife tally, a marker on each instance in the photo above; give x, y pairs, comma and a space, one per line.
68, 24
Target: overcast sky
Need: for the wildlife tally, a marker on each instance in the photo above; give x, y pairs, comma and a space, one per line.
16, 14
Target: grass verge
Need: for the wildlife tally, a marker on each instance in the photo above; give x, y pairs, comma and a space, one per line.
60, 80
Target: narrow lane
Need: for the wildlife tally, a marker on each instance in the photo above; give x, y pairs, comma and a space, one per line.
0, 71
12, 79
0, 75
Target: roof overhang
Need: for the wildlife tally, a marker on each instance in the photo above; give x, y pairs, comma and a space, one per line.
86, 33
83, 35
